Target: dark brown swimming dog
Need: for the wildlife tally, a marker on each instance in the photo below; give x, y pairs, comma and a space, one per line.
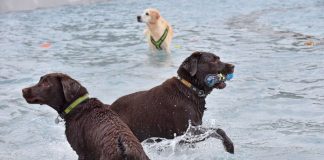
165, 110
92, 129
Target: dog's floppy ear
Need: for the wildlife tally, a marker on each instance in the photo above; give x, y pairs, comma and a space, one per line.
191, 63
72, 89
156, 14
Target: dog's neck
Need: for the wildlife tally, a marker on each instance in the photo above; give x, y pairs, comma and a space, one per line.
71, 106
84, 108
194, 81
200, 93
157, 29
188, 93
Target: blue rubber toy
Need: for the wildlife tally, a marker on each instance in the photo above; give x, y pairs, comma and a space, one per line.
229, 76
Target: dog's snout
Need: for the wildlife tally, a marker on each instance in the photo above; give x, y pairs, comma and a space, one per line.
139, 19
25, 92
231, 66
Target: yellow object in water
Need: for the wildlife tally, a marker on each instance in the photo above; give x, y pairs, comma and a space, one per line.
177, 46
310, 43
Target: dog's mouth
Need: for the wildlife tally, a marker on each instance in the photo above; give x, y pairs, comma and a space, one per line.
226, 75
220, 85
32, 99
35, 101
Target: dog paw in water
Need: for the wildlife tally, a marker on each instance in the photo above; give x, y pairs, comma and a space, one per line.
227, 142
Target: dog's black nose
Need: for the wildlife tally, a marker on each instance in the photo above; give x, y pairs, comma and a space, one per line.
25, 92
231, 66
139, 19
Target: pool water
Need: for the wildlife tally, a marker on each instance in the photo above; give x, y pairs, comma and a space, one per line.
272, 109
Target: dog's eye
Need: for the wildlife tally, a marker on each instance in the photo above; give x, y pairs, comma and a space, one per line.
45, 84
216, 59
147, 13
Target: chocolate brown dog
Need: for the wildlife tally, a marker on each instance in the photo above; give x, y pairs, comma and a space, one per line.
92, 129
166, 110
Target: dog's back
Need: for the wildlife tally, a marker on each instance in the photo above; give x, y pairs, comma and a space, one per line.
159, 112
96, 132
93, 130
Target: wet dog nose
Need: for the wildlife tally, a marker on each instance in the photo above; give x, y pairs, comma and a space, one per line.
231, 66
25, 91
139, 19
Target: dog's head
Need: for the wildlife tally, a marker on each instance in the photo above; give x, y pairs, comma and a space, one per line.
56, 90
198, 68
149, 15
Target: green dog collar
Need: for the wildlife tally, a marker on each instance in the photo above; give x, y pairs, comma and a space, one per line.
158, 43
75, 103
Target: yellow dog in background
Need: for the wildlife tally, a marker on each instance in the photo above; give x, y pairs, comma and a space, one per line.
158, 31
